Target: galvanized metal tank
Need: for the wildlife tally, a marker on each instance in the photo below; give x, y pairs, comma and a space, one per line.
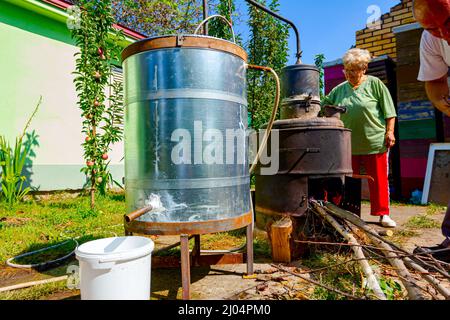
185, 134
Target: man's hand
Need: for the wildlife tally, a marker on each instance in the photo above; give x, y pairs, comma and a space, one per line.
438, 92
443, 105
390, 139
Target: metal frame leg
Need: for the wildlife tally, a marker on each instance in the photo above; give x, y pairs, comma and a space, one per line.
250, 250
127, 233
196, 252
185, 267
250, 227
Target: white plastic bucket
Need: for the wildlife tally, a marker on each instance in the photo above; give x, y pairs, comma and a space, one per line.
115, 268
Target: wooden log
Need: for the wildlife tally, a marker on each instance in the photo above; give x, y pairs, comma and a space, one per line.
372, 280
386, 233
280, 234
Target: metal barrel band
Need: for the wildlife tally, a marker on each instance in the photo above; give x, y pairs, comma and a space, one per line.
180, 184
194, 228
189, 41
185, 94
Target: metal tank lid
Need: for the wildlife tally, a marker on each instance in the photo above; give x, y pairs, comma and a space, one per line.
183, 41
301, 67
321, 123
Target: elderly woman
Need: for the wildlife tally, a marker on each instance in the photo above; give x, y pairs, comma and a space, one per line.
371, 117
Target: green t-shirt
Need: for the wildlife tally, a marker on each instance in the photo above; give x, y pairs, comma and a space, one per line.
368, 107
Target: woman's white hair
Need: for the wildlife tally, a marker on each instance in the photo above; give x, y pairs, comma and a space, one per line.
359, 58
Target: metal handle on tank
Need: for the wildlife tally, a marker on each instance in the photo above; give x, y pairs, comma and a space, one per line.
217, 16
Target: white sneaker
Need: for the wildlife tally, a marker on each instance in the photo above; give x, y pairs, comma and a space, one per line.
387, 222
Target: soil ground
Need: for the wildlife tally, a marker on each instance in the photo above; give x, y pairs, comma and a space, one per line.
227, 282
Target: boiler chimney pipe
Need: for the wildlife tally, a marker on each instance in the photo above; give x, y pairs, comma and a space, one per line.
205, 16
297, 34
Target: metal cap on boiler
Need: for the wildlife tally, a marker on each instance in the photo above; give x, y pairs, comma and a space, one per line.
300, 92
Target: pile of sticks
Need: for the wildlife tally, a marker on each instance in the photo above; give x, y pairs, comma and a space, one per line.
405, 264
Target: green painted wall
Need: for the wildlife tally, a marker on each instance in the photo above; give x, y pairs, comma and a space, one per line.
33, 22
37, 59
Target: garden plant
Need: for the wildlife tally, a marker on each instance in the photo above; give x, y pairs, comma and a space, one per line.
12, 162
100, 95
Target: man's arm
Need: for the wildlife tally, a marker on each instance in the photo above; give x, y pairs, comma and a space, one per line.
438, 93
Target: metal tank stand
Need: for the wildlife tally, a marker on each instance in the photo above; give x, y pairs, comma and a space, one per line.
185, 267
195, 258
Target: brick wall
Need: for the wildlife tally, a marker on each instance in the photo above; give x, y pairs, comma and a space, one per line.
382, 41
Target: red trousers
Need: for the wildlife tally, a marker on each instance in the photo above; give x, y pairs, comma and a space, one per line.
377, 167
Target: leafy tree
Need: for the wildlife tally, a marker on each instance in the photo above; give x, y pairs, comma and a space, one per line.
218, 28
102, 114
158, 17
319, 60
267, 46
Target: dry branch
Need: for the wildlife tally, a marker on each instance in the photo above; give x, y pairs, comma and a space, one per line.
346, 215
408, 281
359, 254
33, 283
384, 244
428, 277
317, 283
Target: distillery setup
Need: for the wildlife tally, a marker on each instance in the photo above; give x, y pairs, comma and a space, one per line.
184, 92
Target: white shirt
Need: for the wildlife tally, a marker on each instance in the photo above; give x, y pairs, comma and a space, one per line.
434, 57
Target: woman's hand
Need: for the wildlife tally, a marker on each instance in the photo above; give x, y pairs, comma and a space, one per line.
390, 139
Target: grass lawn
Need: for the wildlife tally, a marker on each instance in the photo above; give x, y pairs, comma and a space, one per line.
37, 224
42, 221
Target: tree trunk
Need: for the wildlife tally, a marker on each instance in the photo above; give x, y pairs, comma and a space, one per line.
280, 235
93, 194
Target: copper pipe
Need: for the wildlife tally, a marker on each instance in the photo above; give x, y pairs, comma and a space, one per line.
136, 214
274, 113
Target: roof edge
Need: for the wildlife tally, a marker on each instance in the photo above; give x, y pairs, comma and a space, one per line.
63, 5
406, 27
340, 61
